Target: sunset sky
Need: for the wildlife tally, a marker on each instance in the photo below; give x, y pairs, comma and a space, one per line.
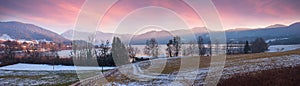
61, 15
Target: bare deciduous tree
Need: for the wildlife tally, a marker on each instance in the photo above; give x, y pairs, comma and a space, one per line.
259, 45
170, 48
177, 45
201, 46
132, 51
151, 48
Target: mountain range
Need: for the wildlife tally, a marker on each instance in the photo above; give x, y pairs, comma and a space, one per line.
274, 34
23, 31
161, 36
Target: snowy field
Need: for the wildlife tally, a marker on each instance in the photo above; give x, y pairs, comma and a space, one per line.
45, 67
28, 78
42, 74
282, 48
33, 74
261, 64
64, 53
139, 72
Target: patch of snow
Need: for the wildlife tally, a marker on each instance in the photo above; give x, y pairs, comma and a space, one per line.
115, 84
28, 78
262, 64
45, 67
271, 40
64, 53
281, 48
43, 40
142, 76
242, 66
23, 40
5, 37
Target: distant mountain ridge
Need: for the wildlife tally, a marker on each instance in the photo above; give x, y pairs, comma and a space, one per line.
290, 34
162, 36
279, 34
275, 34
276, 26
24, 31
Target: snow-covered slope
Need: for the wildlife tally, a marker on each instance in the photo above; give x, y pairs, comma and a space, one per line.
141, 74
5, 37
19, 30
44, 67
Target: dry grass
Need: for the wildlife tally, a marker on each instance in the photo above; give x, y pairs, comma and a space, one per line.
173, 66
275, 77
261, 55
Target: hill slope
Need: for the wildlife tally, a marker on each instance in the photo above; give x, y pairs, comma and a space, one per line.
279, 35
18, 30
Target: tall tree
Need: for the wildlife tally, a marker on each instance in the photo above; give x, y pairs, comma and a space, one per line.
259, 45
104, 48
177, 45
190, 49
132, 51
119, 52
170, 48
247, 47
10, 48
201, 46
209, 48
151, 48
230, 47
146, 49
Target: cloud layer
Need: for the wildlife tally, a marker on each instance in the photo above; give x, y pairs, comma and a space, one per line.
257, 13
56, 15
60, 15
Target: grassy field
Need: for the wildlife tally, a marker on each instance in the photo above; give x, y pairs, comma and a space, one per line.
235, 67
288, 76
18, 77
204, 61
51, 78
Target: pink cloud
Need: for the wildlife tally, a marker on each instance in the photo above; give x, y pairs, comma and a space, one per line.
60, 15
124, 7
257, 13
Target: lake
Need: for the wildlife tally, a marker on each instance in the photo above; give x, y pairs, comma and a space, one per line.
162, 49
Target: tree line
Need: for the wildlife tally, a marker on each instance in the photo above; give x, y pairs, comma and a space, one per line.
175, 47
118, 53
